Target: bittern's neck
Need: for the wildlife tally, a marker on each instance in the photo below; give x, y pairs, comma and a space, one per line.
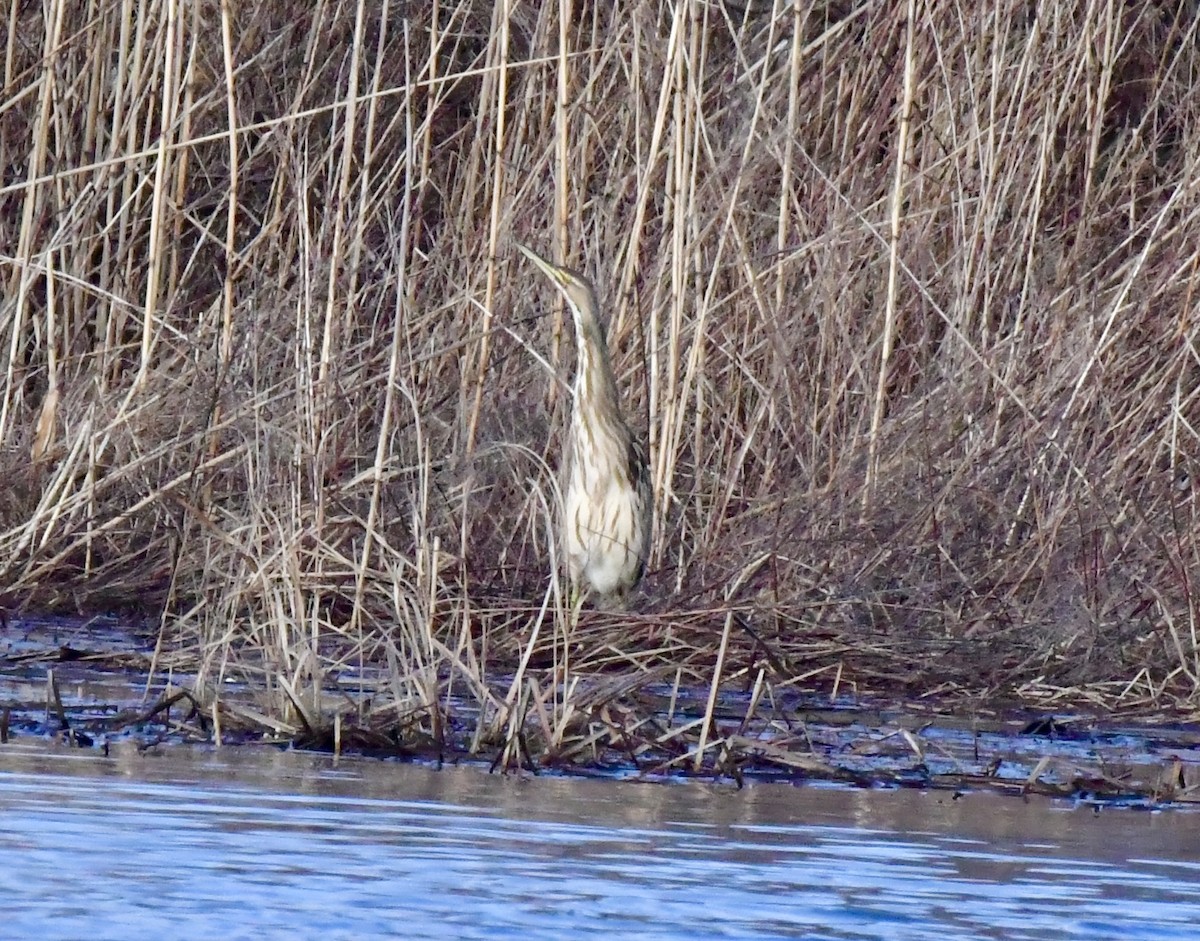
595, 384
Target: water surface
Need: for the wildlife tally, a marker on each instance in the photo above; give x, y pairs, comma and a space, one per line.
261, 844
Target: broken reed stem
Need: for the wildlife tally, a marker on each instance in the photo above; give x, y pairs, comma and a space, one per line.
710, 709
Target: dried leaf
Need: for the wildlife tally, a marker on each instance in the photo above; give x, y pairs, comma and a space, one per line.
43, 437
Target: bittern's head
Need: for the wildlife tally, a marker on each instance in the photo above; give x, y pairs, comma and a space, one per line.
578, 290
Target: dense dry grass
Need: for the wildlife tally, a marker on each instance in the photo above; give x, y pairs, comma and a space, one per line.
902, 294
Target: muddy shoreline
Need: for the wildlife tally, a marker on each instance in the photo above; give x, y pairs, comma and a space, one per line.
87, 684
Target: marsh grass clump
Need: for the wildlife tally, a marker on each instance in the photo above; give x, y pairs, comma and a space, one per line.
904, 301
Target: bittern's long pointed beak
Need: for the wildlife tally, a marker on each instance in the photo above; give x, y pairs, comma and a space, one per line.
551, 270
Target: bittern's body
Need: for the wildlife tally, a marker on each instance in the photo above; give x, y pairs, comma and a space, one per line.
607, 498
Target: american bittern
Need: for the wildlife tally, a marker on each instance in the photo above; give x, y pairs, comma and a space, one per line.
606, 505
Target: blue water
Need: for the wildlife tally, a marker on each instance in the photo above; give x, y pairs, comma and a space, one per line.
262, 845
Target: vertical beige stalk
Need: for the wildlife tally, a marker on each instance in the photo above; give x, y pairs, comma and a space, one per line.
889, 316
500, 54
688, 384
19, 285
1105, 35
432, 98
157, 242
647, 188
232, 262
114, 103
382, 443
366, 163
184, 80
679, 165
561, 212
43, 436
562, 173
789, 146
349, 123
11, 43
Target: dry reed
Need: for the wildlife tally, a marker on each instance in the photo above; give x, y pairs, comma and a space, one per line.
903, 294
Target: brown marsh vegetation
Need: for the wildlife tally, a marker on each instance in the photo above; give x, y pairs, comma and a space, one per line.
903, 296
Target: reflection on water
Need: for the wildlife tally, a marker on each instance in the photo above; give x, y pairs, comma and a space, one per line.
261, 844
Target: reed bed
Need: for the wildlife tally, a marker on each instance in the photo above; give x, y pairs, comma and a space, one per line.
902, 295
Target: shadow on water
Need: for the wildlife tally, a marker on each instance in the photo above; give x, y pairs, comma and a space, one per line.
258, 844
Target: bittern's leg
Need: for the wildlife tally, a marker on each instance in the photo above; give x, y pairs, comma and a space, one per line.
578, 596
